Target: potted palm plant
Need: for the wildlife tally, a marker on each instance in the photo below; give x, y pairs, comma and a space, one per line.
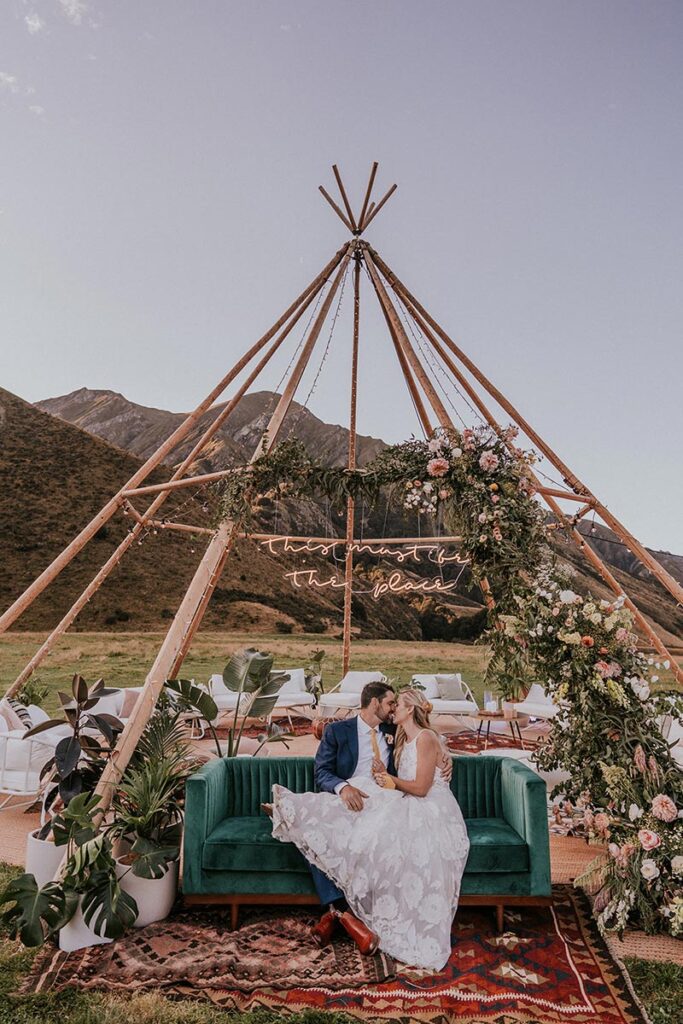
148, 814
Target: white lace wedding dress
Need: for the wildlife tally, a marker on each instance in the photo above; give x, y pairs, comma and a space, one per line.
399, 861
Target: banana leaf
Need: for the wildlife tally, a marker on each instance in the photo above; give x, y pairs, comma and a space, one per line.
247, 670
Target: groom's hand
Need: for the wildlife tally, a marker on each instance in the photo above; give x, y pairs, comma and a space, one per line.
447, 767
353, 798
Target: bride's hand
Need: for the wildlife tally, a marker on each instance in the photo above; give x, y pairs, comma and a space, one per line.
446, 767
378, 766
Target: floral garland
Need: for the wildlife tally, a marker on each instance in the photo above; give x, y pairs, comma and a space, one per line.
607, 737
484, 489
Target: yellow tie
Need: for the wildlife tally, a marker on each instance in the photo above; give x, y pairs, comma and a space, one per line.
388, 782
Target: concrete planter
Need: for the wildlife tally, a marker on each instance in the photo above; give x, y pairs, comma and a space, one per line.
42, 858
77, 935
154, 896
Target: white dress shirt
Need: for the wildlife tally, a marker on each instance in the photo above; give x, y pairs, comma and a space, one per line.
365, 753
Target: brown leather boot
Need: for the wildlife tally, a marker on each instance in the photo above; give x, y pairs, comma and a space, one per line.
267, 809
366, 940
323, 931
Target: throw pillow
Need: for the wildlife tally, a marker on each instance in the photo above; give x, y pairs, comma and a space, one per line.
450, 687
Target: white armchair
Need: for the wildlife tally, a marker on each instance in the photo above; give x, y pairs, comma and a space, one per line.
345, 696
537, 704
22, 760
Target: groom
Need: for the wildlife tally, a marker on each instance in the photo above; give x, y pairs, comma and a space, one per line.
349, 748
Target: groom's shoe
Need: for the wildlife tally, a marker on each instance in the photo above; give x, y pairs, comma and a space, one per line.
323, 931
366, 940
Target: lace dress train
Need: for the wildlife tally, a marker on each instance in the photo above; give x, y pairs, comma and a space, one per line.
399, 861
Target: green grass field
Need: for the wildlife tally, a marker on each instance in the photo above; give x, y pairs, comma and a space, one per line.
123, 659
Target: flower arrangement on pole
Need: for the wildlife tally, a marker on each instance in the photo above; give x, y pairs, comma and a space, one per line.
607, 737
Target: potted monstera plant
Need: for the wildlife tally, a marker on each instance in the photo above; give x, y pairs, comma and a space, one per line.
148, 815
249, 675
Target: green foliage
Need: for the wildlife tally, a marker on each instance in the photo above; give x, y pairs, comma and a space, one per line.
79, 759
32, 914
33, 692
480, 482
249, 674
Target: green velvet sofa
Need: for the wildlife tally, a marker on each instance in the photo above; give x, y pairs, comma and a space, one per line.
230, 856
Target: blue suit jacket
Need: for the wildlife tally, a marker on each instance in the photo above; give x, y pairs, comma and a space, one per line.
337, 754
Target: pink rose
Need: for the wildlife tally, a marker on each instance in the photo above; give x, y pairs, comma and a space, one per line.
443, 493
603, 669
488, 461
601, 822
481, 517
664, 808
649, 840
495, 498
437, 467
621, 635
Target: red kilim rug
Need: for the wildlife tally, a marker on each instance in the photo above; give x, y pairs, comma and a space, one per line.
547, 967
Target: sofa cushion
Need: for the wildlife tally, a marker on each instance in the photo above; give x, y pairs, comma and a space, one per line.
495, 847
450, 687
296, 682
242, 844
427, 683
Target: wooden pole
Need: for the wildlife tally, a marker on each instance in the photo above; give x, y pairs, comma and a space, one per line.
546, 493
371, 216
351, 464
407, 349
570, 479
345, 200
336, 209
427, 386
78, 543
368, 192
266, 443
193, 605
422, 413
134, 534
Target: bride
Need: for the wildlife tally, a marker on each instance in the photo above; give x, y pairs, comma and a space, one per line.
400, 860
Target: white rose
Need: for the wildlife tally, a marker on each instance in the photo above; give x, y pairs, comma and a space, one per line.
456, 453
677, 865
567, 597
434, 445
635, 812
649, 869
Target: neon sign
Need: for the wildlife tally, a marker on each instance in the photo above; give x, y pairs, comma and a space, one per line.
395, 583
433, 551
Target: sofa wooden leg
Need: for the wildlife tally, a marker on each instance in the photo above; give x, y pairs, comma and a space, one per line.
500, 913
234, 916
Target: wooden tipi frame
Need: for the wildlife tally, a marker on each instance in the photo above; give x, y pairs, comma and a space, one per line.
398, 305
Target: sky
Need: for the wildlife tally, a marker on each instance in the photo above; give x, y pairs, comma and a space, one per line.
159, 206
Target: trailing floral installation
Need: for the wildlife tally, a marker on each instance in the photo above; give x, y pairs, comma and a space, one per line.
608, 738
483, 489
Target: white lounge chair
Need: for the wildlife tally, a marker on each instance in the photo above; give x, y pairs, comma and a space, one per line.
293, 695
436, 684
345, 696
536, 704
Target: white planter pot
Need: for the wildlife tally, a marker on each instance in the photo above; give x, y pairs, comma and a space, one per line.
42, 858
154, 896
77, 935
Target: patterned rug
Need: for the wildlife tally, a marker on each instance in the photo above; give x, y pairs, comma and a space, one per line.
547, 967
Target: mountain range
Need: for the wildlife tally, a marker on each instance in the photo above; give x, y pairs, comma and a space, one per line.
66, 455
